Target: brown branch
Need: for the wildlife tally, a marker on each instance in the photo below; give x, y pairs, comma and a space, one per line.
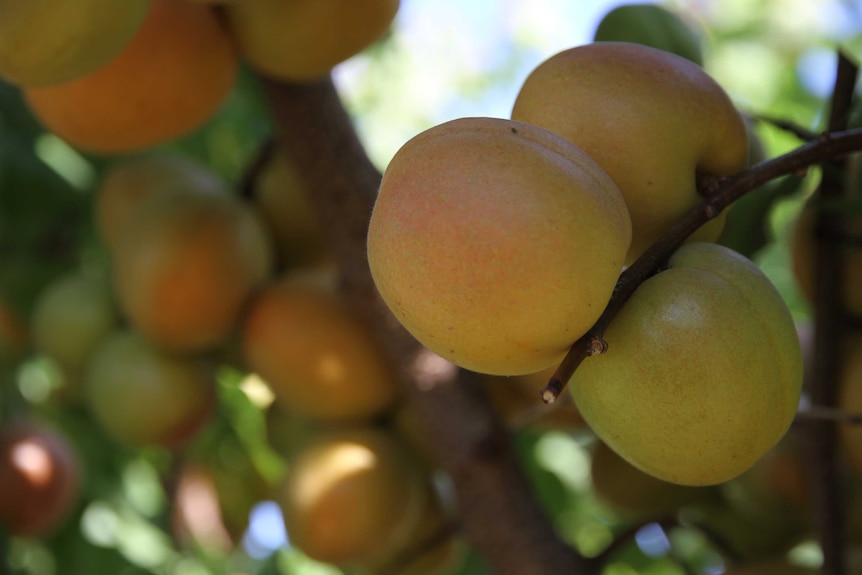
818, 413
719, 194
828, 328
800, 132
499, 513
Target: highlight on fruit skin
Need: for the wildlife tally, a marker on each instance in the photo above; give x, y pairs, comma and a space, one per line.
317, 356
40, 478
47, 42
496, 243
168, 81
302, 40
352, 496
652, 120
703, 372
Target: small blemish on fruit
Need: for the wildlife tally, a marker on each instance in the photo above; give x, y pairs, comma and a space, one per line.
514, 130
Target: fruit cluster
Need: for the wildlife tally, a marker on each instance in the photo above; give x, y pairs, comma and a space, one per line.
498, 243
115, 78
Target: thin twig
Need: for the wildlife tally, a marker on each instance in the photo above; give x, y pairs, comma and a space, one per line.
725, 191
831, 414
800, 132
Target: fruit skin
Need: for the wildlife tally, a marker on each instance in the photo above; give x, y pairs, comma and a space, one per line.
71, 317
651, 25
635, 494
496, 243
303, 40
281, 201
517, 400
316, 355
169, 80
352, 496
128, 182
653, 120
703, 371
142, 396
44, 42
186, 264
40, 478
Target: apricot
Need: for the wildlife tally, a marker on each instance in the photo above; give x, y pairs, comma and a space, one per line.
314, 352
126, 183
142, 396
518, 401
301, 40
651, 25
281, 201
497, 244
186, 264
71, 317
703, 371
168, 81
653, 120
40, 478
44, 42
633, 493
352, 496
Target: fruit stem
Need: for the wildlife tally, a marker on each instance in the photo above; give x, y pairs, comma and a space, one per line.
829, 146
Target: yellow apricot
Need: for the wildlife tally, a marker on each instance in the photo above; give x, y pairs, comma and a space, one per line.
304, 39
170, 79
518, 401
703, 371
142, 396
186, 264
496, 243
45, 42
281, 201
317, 356
653, 120
127, 183
352, 495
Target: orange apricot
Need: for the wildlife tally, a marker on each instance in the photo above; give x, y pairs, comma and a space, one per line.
170, 79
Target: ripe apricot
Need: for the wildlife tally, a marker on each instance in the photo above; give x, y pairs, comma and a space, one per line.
304, 39
497, 244
45, 42
128, 182
39, 478
653, 120
186, 264
142, 396
169, 80
316, 355
351, 496
518, 401
703, 371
